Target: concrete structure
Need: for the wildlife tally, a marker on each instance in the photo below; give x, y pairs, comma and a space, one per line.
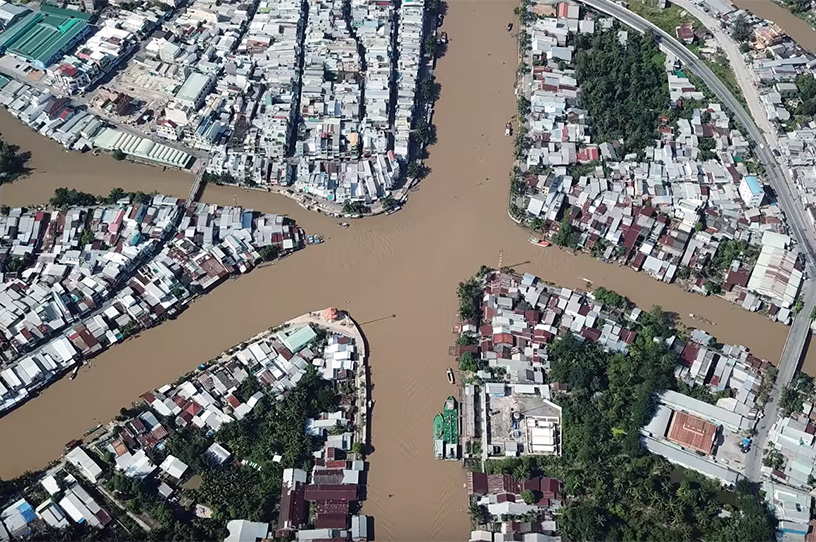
42, 37
195, 89
751, 191
241, 530
89, 468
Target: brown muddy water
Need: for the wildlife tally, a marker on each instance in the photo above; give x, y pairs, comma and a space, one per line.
396, 274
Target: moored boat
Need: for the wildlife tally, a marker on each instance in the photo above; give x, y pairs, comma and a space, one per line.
539, 242
451, 378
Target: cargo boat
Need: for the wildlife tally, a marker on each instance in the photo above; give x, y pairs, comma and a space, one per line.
446, 431
539, 242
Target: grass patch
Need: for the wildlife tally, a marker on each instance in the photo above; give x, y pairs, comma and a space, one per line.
722, 69
667, 19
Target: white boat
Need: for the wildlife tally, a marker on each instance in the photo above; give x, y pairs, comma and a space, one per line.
74, 373
451, 378
343, 224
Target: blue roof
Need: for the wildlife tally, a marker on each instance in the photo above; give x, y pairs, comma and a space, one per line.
753, 184
246, 220
27, 512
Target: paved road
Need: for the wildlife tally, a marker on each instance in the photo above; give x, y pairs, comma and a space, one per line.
741, 70
800, 227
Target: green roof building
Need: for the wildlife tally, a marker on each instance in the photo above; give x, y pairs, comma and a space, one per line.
43, 37
296, 340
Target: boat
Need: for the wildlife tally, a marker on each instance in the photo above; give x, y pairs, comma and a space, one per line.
508, 129
451, 378
343, 224
444, 38
393, 210
539, 242
446, 431
509, 27
74, 373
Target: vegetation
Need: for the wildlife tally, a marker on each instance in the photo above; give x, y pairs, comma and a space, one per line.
799, 391
741, 29
355, 208
429, 90
429, 46
388, 202
616, 490
414, 170
566, 236
423, 132
610, 298
117, 154
468, 363
469, 294
268, 253
234, 490
806, 85
623, 88
722, 69
730, 250
667, 19
12, 163
64, 197
218, 178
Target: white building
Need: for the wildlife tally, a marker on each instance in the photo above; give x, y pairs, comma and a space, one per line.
751, 191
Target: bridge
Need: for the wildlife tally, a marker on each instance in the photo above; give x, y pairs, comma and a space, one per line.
198, 185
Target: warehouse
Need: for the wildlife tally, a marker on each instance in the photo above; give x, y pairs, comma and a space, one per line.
43, 37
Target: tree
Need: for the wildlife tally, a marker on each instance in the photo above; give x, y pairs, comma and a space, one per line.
64, 197
565, 237
357, 448
422, 132
790, 402
584, 521
741, 29
712, 287
11, 162
469, 294
523, 106
608, 297
413, 170
117, 154
268, 253
388, 202
428, 90
429, 46
622, 88
744, 47
528, 496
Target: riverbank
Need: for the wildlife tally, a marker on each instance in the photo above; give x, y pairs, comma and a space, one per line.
793, 26
394, 273
675, 227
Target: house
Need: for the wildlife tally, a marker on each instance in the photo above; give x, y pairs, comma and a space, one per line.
87, 466
241, 530
292, 505
174, 467
685, 33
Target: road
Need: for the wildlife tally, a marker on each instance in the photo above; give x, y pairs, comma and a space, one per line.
799, 226
738, 65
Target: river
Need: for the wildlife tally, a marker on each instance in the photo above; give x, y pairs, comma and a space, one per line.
397, 275
799, 30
